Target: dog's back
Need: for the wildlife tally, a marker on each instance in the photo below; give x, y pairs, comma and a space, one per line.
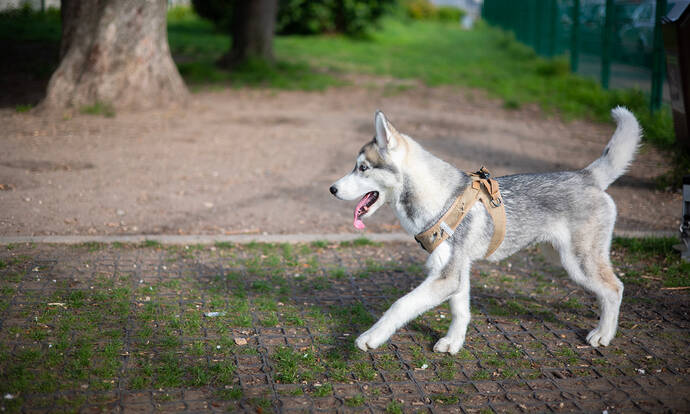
552, 206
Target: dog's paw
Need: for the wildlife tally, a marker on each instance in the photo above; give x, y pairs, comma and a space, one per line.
449, 345
596, 337
373, 338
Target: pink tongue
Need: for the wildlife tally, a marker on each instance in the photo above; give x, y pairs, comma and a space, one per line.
358, 223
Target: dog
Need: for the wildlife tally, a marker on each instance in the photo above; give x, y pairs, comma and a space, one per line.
568, 209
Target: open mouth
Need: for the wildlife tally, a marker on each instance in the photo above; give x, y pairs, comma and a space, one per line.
363, 206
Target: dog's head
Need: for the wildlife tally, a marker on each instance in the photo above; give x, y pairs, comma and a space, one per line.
376, 176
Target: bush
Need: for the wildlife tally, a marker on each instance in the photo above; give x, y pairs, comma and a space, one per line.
425, 10
450, 14
217, 11
351, 17
420, 9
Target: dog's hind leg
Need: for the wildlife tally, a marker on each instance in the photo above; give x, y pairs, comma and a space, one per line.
460, 310
610, 295
585, 256
442, 283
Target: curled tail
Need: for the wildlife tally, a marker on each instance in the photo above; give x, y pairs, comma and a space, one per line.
620, 150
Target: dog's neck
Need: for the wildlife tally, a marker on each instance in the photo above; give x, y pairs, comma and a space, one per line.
429, 187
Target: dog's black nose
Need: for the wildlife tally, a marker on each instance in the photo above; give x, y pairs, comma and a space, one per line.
334, 190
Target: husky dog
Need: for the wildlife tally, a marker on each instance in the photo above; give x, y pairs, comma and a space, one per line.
568, 209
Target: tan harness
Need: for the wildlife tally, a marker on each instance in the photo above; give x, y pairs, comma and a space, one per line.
482, 188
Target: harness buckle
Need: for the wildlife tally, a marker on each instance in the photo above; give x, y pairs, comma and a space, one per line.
496, 202
483, 173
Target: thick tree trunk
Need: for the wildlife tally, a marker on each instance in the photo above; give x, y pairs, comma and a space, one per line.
253, 26
114, 52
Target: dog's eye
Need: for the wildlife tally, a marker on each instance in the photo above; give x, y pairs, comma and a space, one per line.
363, 167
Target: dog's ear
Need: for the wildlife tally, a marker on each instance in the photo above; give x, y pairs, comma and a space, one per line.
385, 132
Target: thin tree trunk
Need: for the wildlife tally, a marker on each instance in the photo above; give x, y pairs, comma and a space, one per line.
253, 27
114, 52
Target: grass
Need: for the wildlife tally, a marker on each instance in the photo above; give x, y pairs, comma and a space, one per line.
23, 108
98, 108
655, 258
168, 344
485, 58
355, 401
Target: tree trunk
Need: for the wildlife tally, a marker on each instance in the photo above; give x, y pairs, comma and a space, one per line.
253, 26
114, 52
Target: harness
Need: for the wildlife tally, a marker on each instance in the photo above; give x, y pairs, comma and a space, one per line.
481, 188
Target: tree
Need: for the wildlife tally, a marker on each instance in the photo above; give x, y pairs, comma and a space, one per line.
114, 52
253, 26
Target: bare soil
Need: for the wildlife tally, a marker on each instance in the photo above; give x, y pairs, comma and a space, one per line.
261, 161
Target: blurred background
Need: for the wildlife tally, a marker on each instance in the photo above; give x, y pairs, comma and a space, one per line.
227, 98
615, 45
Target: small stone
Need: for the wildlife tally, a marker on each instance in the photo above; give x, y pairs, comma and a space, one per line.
120, 212
240, 341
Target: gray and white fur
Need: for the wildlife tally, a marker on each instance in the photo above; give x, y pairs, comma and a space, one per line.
568, 209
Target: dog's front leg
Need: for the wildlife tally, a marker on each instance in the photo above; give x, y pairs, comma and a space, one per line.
460, 311
442, 283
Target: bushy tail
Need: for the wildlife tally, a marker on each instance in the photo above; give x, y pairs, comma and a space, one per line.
620, 150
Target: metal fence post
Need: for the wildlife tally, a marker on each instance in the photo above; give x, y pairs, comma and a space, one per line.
553, 27
532, 30
657, 59
575, 37
606, 45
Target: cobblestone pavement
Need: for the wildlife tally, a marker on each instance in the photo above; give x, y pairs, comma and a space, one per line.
270, 328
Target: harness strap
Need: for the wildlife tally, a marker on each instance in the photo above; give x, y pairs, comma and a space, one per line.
482, 188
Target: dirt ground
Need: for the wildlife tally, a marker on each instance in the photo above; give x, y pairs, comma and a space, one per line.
260, 161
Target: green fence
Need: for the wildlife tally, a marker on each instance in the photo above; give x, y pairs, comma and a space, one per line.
616, 41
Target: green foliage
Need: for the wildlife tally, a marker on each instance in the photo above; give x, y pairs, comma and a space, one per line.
352, 17
680, 166
359, 242
23, 108
258, 73
324, 390
293, 366
648, 246
394, 407
425, 10
355, 401
24, 24
98, 108
181, 13
658, 258
485, 58
198, 46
